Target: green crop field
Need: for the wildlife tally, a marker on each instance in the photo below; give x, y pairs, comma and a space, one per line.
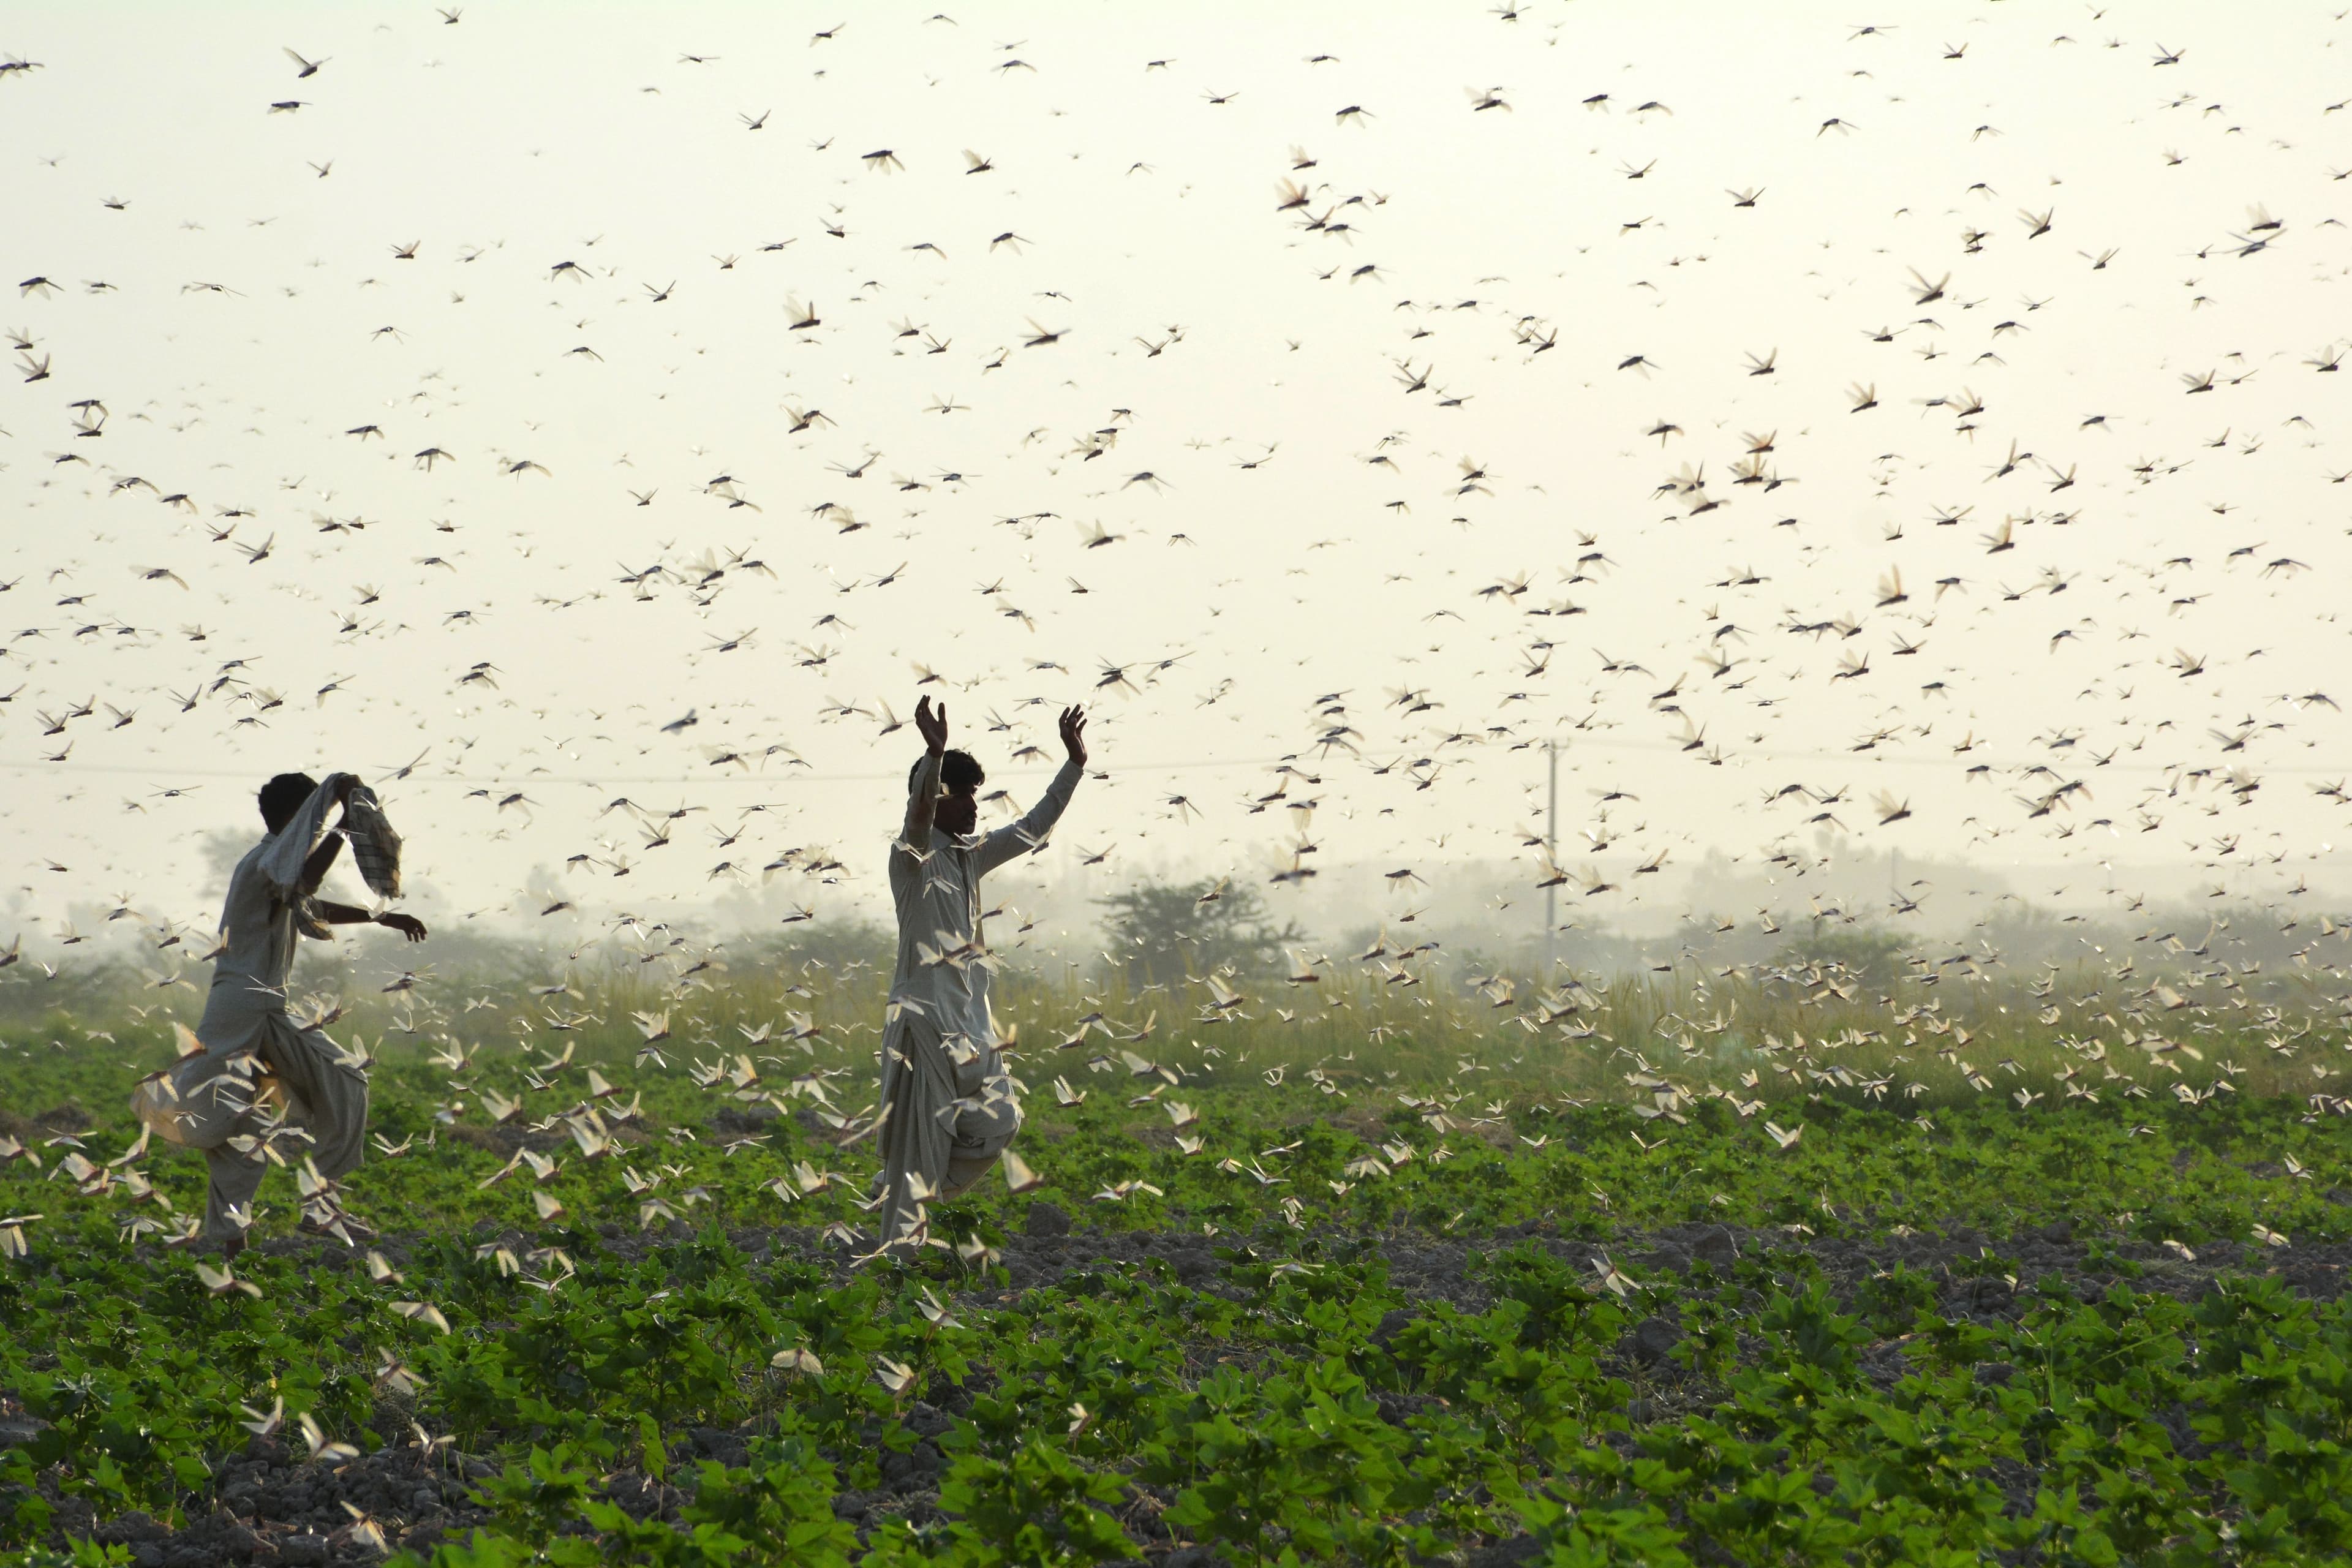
1766, 1267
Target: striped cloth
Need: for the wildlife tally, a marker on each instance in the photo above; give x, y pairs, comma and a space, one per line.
375, 848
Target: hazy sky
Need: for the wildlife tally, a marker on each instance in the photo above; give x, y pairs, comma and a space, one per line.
545, 235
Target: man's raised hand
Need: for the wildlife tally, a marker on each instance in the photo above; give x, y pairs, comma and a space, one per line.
933, 723
1074, 734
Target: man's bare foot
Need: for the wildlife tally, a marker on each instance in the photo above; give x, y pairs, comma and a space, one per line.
231, 1247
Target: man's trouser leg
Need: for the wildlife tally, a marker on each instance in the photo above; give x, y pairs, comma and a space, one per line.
913, 1144
942, 1128
211, 1099
235, 1178
984, 1125
326, 1100
330, 1101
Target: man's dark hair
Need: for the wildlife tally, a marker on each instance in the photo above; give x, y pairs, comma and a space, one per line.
960, 770
282, 796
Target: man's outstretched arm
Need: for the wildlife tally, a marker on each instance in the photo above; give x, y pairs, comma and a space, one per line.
923, 799
1019, 839
336, 914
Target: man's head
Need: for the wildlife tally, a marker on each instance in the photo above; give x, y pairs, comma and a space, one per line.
960, 777
282, 796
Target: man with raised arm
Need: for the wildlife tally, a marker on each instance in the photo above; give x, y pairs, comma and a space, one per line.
259, 1079
947, 1109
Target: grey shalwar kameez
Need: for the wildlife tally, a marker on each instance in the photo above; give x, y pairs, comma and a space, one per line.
948, 1109
246, 1034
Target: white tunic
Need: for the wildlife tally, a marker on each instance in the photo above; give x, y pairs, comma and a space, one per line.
938, 975
258, 933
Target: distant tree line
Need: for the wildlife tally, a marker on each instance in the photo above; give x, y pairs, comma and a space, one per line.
1162, 932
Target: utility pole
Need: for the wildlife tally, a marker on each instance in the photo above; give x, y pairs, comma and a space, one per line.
1551, 848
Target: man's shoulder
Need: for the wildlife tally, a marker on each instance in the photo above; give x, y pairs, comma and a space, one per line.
905, 865
244, 869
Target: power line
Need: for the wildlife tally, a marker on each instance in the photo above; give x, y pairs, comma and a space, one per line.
1185, 764
129, 770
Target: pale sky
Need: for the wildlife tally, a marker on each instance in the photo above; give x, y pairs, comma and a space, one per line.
556, 169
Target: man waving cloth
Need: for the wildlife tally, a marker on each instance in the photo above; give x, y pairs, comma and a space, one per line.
218, 1099
948, 1110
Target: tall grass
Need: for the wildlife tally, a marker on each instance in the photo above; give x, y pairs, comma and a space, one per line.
1919, 1033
